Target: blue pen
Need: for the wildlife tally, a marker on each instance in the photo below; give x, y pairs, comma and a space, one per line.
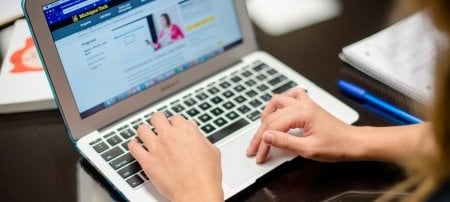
363, 95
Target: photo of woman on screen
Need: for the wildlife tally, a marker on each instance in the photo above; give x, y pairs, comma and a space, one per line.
169, 33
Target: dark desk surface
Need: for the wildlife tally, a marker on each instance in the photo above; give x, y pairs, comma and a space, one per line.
38, 162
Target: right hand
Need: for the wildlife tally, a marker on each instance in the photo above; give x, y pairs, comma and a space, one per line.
325, 138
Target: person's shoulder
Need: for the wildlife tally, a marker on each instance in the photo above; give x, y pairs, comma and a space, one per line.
175, 26
442, 193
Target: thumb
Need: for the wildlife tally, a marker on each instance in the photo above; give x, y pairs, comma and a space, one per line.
280, 140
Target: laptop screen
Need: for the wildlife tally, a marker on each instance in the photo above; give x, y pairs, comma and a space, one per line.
113, 49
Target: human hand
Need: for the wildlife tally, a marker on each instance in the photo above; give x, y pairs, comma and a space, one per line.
182, 164
325, 138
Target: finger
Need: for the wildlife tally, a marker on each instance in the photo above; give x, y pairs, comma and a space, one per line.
263, 152
252, 149
146, 135
285, 119
297, 93
282, 140
160, 122
178, 120
137, 151
282, 120
277, 102
256, 140
193, 122
277, 139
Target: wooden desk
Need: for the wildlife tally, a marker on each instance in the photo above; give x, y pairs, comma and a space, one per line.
38, 162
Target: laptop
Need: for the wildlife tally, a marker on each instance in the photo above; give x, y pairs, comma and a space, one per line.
113, 63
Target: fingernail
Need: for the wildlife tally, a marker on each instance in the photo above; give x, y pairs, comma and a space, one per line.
268, 137
249, 151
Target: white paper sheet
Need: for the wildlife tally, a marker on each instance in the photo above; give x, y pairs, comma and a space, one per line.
277, 17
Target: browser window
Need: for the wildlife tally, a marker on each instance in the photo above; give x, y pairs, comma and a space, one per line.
111, 50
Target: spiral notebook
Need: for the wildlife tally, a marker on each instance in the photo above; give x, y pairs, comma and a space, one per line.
402, 56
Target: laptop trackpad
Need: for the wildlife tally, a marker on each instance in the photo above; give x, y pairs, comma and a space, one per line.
238, 169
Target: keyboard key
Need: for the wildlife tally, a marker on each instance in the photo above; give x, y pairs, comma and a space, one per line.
114, 140
122, 128
246, 73
228, 94
204, 118
135, 181
121, 161
217, 111
261, 77
144, 175
109, 135
125, 145
254, 115
232, 115
243, 109
250, 82
266, 97
216, 100
255, 103
113, 153
220, 122
240, 99
190, 102
128, 133
167, 113
148, 115
213, 90
260, 67
224, 132
137, 121
272, 72
251, 93
137, 126
192, 112
285, 87
277, 80
138, 139
228, 105
205, 106
262, 87
239, 88
95, 141
101, 147
129, 170
178, 108
201, 96
208, 128
225, 84
236, 79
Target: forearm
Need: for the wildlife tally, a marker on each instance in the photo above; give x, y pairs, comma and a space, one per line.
392, 144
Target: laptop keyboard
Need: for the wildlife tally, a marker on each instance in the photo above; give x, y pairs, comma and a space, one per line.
220, 109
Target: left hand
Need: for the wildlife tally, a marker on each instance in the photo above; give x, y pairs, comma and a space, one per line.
180, 161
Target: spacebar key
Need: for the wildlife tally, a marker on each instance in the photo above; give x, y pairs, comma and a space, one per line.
215, 137
284, 87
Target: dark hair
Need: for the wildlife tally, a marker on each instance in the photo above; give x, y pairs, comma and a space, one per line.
167, 18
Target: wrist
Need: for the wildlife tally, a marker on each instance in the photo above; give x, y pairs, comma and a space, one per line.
389, 144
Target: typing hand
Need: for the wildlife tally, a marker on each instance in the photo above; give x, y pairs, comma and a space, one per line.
180, 161
324, 138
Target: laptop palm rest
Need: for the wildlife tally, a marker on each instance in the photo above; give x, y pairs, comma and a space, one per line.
238, 169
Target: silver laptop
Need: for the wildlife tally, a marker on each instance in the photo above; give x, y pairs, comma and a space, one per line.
113, 63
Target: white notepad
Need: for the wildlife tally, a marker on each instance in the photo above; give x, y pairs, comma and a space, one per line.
402, 56
23, 84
